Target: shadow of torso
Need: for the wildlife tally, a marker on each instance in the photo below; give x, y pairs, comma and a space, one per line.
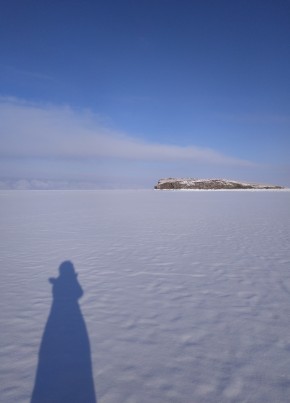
64, 373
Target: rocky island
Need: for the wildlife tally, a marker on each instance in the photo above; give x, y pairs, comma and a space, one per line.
208, 184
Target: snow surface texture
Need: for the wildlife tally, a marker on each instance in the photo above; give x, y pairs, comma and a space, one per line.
186, 294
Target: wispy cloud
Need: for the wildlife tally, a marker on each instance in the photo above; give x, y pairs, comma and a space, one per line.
255, 118
40, 131
16, 71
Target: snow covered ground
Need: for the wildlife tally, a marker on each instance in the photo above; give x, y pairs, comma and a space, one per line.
186, 294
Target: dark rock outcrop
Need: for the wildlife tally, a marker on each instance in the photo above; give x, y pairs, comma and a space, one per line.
207, 184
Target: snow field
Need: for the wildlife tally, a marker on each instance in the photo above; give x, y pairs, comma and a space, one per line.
186, 294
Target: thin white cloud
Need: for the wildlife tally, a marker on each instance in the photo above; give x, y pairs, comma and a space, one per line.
44, 131
255, 118
15, 71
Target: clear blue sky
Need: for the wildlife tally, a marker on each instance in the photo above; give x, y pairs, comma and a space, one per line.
117, 93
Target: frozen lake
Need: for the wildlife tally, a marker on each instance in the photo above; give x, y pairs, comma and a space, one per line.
186, 295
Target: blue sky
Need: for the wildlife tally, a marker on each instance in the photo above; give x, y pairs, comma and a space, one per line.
119, 93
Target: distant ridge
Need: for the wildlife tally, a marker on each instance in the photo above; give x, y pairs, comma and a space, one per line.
208, 184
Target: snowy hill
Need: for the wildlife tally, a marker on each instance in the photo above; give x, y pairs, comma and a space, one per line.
193, 183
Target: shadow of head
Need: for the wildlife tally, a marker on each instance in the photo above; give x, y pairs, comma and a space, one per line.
67, 270
66, 285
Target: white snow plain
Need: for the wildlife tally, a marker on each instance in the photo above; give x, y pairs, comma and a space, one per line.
186, 294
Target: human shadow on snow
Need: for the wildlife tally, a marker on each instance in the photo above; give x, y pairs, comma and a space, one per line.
64, 373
